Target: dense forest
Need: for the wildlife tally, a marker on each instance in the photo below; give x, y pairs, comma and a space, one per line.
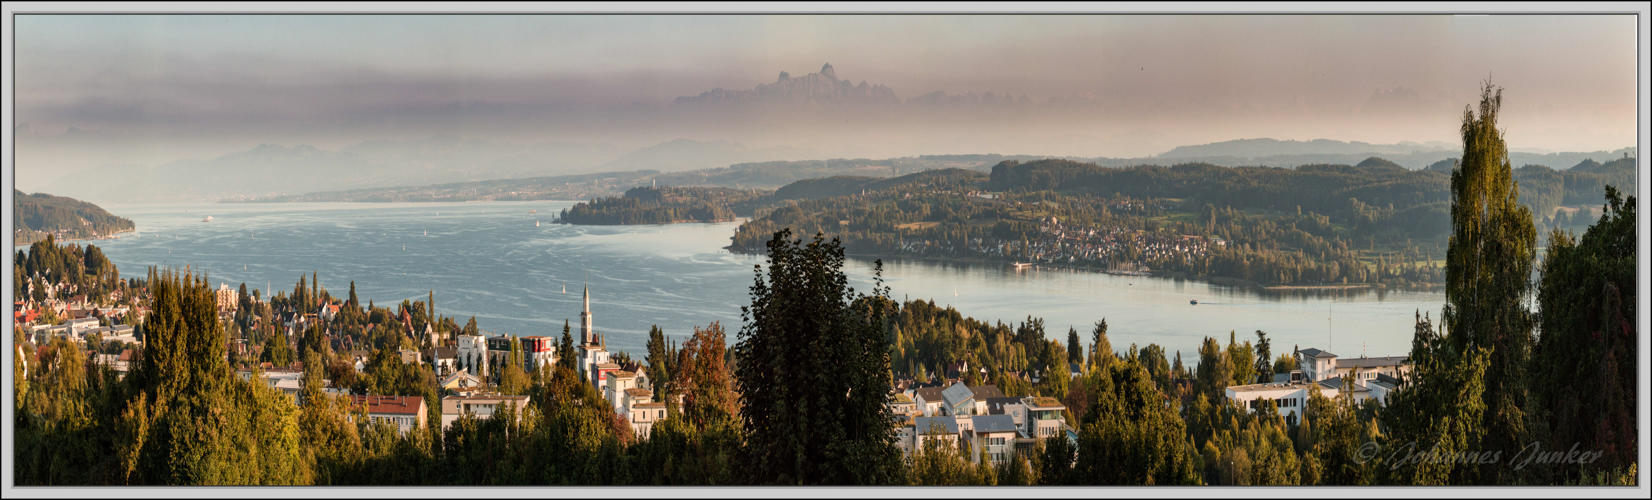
34, 216
667, 205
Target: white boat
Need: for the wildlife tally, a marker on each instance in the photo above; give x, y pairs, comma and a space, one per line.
207, 219
535, 223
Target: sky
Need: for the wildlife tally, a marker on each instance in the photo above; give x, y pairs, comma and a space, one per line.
145, 90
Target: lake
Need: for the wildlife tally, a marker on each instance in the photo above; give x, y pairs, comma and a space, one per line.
490, 260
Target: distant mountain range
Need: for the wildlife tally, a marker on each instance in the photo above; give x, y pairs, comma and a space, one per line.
1277, 153
825, 91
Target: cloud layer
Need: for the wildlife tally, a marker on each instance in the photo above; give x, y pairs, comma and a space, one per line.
145, 90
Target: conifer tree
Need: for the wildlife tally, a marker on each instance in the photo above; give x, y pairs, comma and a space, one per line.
812, 366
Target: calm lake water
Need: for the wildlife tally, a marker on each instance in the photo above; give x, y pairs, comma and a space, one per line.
488, 259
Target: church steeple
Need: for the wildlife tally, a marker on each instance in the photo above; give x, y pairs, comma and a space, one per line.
585, 327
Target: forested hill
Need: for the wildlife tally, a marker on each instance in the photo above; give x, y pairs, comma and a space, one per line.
664, 205
1371, 191
36, 215
830, 187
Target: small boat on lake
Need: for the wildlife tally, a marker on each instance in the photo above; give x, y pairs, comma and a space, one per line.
207, 219
1193, 302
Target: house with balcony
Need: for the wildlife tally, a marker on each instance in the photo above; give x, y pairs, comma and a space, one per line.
481, 406
993, 434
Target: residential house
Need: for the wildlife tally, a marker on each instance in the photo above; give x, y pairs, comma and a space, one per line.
958, 400
537, 351
934, 431
993, 434
600, 375
1044, 417
929, 400
482, 406
1289, 398
462, 381
472, 354
618, 382
982, 394
903, 405
641, 410
444, 359
404, 412
1317, 365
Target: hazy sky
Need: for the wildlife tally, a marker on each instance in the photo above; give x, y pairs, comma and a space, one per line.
147, 89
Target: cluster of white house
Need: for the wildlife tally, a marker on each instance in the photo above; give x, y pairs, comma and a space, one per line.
627, 388
977, 420
1359, 378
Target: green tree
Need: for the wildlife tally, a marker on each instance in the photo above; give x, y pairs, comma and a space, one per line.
1438, 412
659, 361
1264, 358
812, 368
1075, 351
1242, 360
566, 358
1587, 298
1488, 272
513, 379
1132, 433
1215, 371
1101, 351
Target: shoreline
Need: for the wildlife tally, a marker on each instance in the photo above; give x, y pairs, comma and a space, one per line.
111, 236
1216, 280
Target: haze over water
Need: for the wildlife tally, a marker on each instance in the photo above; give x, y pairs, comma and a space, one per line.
491, 261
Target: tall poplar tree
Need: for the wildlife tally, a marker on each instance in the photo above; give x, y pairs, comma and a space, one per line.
1488, 275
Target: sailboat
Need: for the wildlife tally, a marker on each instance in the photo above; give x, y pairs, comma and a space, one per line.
427, 232
536, 223
564, 288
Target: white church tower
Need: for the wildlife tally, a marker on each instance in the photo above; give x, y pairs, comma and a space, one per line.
586, 337
592, 352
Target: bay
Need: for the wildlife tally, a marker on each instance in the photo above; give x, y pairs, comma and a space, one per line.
490, 260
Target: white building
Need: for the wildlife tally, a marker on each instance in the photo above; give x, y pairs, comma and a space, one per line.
618, 383
1317, 365
1043, 417
993, 434
641, 410
1290, 398
482, 406
928, 400
472, 354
